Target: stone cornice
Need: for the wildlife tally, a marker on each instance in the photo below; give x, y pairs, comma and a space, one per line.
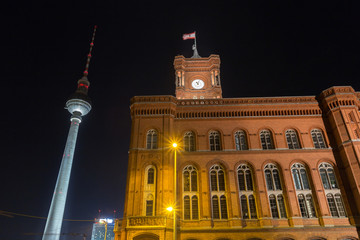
225, 101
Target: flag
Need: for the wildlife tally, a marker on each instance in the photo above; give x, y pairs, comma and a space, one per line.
189, 36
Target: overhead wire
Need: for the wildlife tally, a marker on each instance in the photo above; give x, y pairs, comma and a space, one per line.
10, 214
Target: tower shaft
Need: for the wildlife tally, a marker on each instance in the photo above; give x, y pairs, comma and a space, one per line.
55, 217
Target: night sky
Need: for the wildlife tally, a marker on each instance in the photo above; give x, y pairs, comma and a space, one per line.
270, 48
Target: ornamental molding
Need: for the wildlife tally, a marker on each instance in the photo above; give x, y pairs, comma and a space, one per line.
146, 221
223, 101
337, 90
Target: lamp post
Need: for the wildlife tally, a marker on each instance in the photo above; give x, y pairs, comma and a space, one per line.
106, 223
174, 146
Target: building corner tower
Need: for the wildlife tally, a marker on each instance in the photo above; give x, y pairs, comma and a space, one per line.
78, 105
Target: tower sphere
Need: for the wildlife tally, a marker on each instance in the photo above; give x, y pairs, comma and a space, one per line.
78, 105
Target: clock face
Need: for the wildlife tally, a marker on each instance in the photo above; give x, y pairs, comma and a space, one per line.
197, 84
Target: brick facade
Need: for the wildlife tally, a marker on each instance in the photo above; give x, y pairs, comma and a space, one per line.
213, 166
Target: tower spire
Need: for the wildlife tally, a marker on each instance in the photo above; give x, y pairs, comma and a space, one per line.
86, 71
78, 105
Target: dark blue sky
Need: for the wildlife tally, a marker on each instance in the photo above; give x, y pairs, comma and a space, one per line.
267, 48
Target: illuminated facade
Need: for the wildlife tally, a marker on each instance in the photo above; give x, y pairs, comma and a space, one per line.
247, 168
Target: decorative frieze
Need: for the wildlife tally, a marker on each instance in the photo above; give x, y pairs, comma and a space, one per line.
146, 221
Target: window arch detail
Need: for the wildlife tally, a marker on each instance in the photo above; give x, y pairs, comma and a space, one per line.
292, 139
215, 141
189, 141
240, 140
152, 139
318, 138
266, 140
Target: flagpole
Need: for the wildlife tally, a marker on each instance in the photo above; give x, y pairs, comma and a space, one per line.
196, 54
195, 40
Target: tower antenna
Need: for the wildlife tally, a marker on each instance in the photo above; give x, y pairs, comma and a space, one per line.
86, 71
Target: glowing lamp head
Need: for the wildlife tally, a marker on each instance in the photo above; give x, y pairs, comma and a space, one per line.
174, 145
169, 209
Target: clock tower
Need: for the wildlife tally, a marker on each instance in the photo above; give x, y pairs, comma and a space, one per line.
197, 78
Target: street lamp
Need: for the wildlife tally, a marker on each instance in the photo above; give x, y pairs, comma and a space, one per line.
174, 146
104, 221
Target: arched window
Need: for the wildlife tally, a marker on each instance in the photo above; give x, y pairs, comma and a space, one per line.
246, 191
274, 190
149, 190
318, 138
215, 142
266, 140
189, 141
292, 139
300, 177
217, 178
151, 139
272, 177
190, 193
190, 179
217, 187
240, 140
332, 191
303, 191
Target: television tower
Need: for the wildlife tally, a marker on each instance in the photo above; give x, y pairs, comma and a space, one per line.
78, 105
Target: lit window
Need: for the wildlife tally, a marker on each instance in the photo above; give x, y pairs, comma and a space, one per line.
151, 139
266, 140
